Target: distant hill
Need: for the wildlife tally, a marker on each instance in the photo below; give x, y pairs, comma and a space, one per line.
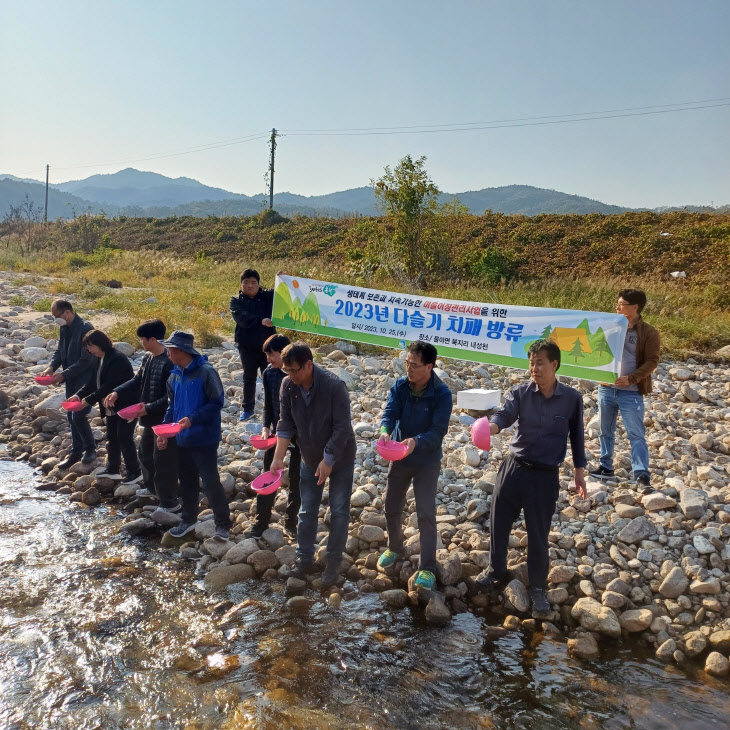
148, 194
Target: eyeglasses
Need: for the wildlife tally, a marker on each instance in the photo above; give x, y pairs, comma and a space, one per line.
621, 304
413, 366
291, 371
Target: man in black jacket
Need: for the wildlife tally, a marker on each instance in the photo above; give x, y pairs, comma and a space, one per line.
159, 467
251, 310
77, 363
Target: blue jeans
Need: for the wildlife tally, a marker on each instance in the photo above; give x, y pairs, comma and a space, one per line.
630, 404
340, 491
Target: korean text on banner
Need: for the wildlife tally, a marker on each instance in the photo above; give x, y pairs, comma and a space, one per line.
591, 343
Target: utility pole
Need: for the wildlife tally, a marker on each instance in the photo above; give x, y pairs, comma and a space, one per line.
45, 210
272, 144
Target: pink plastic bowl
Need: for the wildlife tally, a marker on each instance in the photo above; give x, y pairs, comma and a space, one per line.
131, 411
44, 379
261, 443
167, 429
267, 483
73, 405
392, 450
481, 437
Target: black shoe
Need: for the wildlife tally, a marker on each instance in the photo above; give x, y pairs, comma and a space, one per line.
490, 581
290, 528
602, 473
301, 569
539, 601
644, 480
89, 457
331, 573
69, 461
256, 531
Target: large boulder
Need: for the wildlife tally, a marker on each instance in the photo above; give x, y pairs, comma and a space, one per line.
34, 354
636, 620
51, 406
218, 578
595, 617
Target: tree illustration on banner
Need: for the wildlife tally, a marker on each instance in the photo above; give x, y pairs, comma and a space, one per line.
546, 332
577, 350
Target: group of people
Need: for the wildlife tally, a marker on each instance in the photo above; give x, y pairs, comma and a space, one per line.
307, 408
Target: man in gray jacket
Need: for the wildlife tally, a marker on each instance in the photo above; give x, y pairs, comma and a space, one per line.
77, 363
315, 407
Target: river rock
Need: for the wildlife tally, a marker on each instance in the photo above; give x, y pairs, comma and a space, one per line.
263, 560
437, 613
360, 498
51, 406
658, 501
517, 595
241, 551
35, 341
34, 354
717, 665
224, 575
137, 527
710, 586
637, 530
595, 617
476, 508
91, 496
166, 519
720, 641
396, 597
695, 643
204, 529
371, 533
217, 548
125, 348
126, 491
674, 584
666, 651
286, 555
636, 620
449, 568
274, 538
584, 646
703, 545
693, 503
299, 604
561, 574
295, 586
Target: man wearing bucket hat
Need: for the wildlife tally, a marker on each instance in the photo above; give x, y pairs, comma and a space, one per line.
195, 399
547, 413
418, 411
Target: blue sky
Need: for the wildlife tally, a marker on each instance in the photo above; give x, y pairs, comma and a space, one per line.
92, 87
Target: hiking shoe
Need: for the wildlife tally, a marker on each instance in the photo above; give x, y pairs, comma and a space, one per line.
133, 479
488, 580
69, 461
144, 492
644, 480
222, 534
182, 529
602, 473
425, 579
387, 558
256, 531
245, 416
331, 573
89, 457
301, 569
540, 603
106, 473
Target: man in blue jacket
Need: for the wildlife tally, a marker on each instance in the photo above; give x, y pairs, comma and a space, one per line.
418, 412
195, 395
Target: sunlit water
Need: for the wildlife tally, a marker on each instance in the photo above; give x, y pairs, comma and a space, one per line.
99, 631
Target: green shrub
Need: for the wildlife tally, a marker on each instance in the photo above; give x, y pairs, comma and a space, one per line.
17, 300
494, 266
42, 305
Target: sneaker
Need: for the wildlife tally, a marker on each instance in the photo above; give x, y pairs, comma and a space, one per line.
144, 492
301, 569
182, 529
602, 473
644, 480
89, 457
488, 580
425, 579
331, 573
540, 603
222, 534
172, 510
387, 558
132, 479
109, 474
256, 531
245, 416
69, 461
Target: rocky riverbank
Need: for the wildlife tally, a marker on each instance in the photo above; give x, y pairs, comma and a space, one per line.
647, 564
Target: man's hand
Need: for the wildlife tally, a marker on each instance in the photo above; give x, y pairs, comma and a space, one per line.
161, 443
384, 437
323, 471
622, 382
185, 423
580, 482
74, 399
411, 444
276, 465
265, 433
57, 378
142, 412
48, 371
110, 400
266, 322
493, 429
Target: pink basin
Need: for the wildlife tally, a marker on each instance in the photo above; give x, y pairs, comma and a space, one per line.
392, 450
481, 437
131, 411
44, 379
261, 443
167, 429
267, 483
73, 405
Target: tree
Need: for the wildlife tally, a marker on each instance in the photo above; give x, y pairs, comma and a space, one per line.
546, 332
577, 350
600, 341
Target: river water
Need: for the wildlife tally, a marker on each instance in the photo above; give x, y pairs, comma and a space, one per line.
100, 631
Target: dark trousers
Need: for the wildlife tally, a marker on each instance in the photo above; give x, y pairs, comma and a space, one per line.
82, 439
253, 361
196, 464
120, 443
265, 502
536, 492
425, 481
159, 468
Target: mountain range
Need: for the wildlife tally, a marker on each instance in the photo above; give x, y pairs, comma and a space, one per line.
137, 193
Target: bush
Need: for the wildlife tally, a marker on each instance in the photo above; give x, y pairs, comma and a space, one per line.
494, 266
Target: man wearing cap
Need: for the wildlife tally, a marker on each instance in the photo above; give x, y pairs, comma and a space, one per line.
547, 414
195, 395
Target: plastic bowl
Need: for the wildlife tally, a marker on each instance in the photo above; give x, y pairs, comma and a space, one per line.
259, 442
392, 450
44, 379
131, 411
73, 405
167, 429
481, 436
267, 483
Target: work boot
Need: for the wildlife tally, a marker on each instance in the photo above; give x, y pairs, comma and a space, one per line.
331, 573
301, 569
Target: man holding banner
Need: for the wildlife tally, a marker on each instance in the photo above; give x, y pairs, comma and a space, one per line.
547, 414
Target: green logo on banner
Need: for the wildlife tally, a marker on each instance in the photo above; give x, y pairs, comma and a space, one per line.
329, 290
